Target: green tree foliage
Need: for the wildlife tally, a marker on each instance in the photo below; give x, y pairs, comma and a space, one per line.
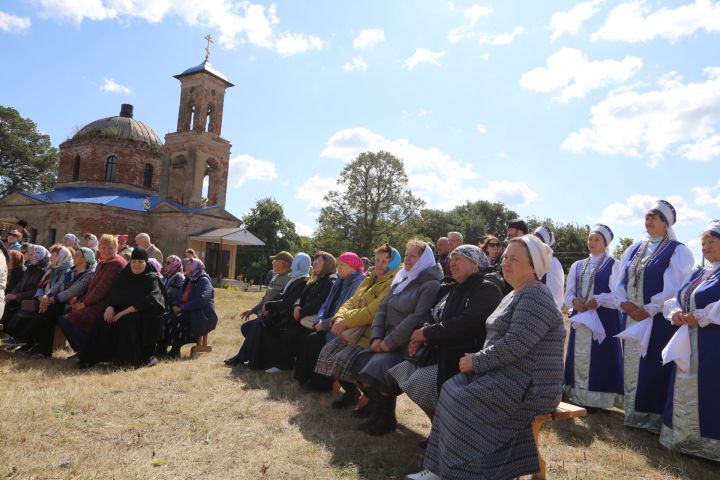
267, 221
623, 244
28, 161
473, 219
370, 206
570, 240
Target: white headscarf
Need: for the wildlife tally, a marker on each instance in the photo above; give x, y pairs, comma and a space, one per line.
604, 231
667, 214
546, 235
403, 277
540, 253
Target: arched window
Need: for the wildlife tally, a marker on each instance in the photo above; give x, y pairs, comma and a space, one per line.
148, 176
76, 168
111, 168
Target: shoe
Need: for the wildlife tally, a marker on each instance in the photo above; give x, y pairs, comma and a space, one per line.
363, 412
347, 399
232, 361
386, 421
273, 370
423, 475
152, 361
372, 408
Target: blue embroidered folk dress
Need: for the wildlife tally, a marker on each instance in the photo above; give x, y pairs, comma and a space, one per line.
651, 271
691, 423
594, 370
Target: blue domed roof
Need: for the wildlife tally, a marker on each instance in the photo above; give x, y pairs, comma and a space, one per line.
123, 126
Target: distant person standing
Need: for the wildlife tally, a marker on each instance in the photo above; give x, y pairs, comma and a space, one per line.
13, 240
190, 253
455, 239
443, 252
142, 240
22, 228
123, 247
555, 278
516, 228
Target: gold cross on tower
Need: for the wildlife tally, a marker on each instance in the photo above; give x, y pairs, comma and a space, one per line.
209, 39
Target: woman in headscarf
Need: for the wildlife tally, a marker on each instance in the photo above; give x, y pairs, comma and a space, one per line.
71, 241
649, 273
481, 427
156, 266
88, 308
38, 259
594, 360
412, 294
193, 314
276, 313
61, 261
555, 278
131, 324
92, 243
355, 316
305, 310
351, 272
691, 423
41, 326
453, 326
173, 278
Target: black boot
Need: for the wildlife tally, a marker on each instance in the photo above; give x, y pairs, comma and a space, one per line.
347, 399
372, 408
386, 422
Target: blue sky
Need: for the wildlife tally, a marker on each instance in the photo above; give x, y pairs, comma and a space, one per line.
580, 111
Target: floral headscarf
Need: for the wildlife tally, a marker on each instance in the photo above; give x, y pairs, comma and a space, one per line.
195, 267
173, 264
63, 258
39, 253
75, 240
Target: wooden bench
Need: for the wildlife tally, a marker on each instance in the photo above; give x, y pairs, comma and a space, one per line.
562, 412
202, 345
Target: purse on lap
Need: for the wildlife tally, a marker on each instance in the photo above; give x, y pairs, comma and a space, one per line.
353, 335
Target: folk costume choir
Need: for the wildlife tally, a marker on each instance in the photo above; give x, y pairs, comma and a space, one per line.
474, 335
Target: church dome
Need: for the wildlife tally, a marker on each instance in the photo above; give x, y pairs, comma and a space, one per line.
123, 126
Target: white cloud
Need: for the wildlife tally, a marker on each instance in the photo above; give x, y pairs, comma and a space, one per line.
303, 229
570, 70
111, 86
369, 37
288, 44
571, 20
423, 55
702, 150
419, 113
472, 16
480, 128
633, 210
633, 21
508, 38
313, 190
13, 23
635, 124
246, 167
708, 195
238, 22
485, 56
433, 175
355, 63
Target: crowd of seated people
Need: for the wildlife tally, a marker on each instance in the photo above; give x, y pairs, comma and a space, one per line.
125, 309
474, 335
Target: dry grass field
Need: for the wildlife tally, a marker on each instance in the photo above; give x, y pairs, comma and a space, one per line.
195, 418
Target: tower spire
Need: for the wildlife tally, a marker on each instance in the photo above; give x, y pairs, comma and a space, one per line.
209, 39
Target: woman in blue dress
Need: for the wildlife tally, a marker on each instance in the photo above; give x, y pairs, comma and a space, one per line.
594, 361
651, 271
691, 423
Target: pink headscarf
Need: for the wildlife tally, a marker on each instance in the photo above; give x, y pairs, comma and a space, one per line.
196, 268
156, 266
172, 264
353, 261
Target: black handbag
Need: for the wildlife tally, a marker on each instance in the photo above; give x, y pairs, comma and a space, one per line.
424, 356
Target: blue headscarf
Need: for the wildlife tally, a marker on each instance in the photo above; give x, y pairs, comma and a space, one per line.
300, 268
395, 259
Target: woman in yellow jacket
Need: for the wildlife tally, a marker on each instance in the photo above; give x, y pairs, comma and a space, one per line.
357, 313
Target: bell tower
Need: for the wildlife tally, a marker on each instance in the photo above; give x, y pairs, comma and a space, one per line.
196, 153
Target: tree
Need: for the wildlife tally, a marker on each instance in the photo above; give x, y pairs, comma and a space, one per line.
570, 240
473, 219
267, 221
623, 244
371, 205
28, 161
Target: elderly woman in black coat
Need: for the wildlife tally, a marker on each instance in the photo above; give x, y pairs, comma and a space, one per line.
454, 326
132, 323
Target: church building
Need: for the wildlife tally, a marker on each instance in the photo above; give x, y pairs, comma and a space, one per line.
117, 176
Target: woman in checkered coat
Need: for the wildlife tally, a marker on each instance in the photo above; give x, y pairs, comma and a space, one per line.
481, 428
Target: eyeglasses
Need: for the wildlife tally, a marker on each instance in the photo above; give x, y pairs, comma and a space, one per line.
493, 244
